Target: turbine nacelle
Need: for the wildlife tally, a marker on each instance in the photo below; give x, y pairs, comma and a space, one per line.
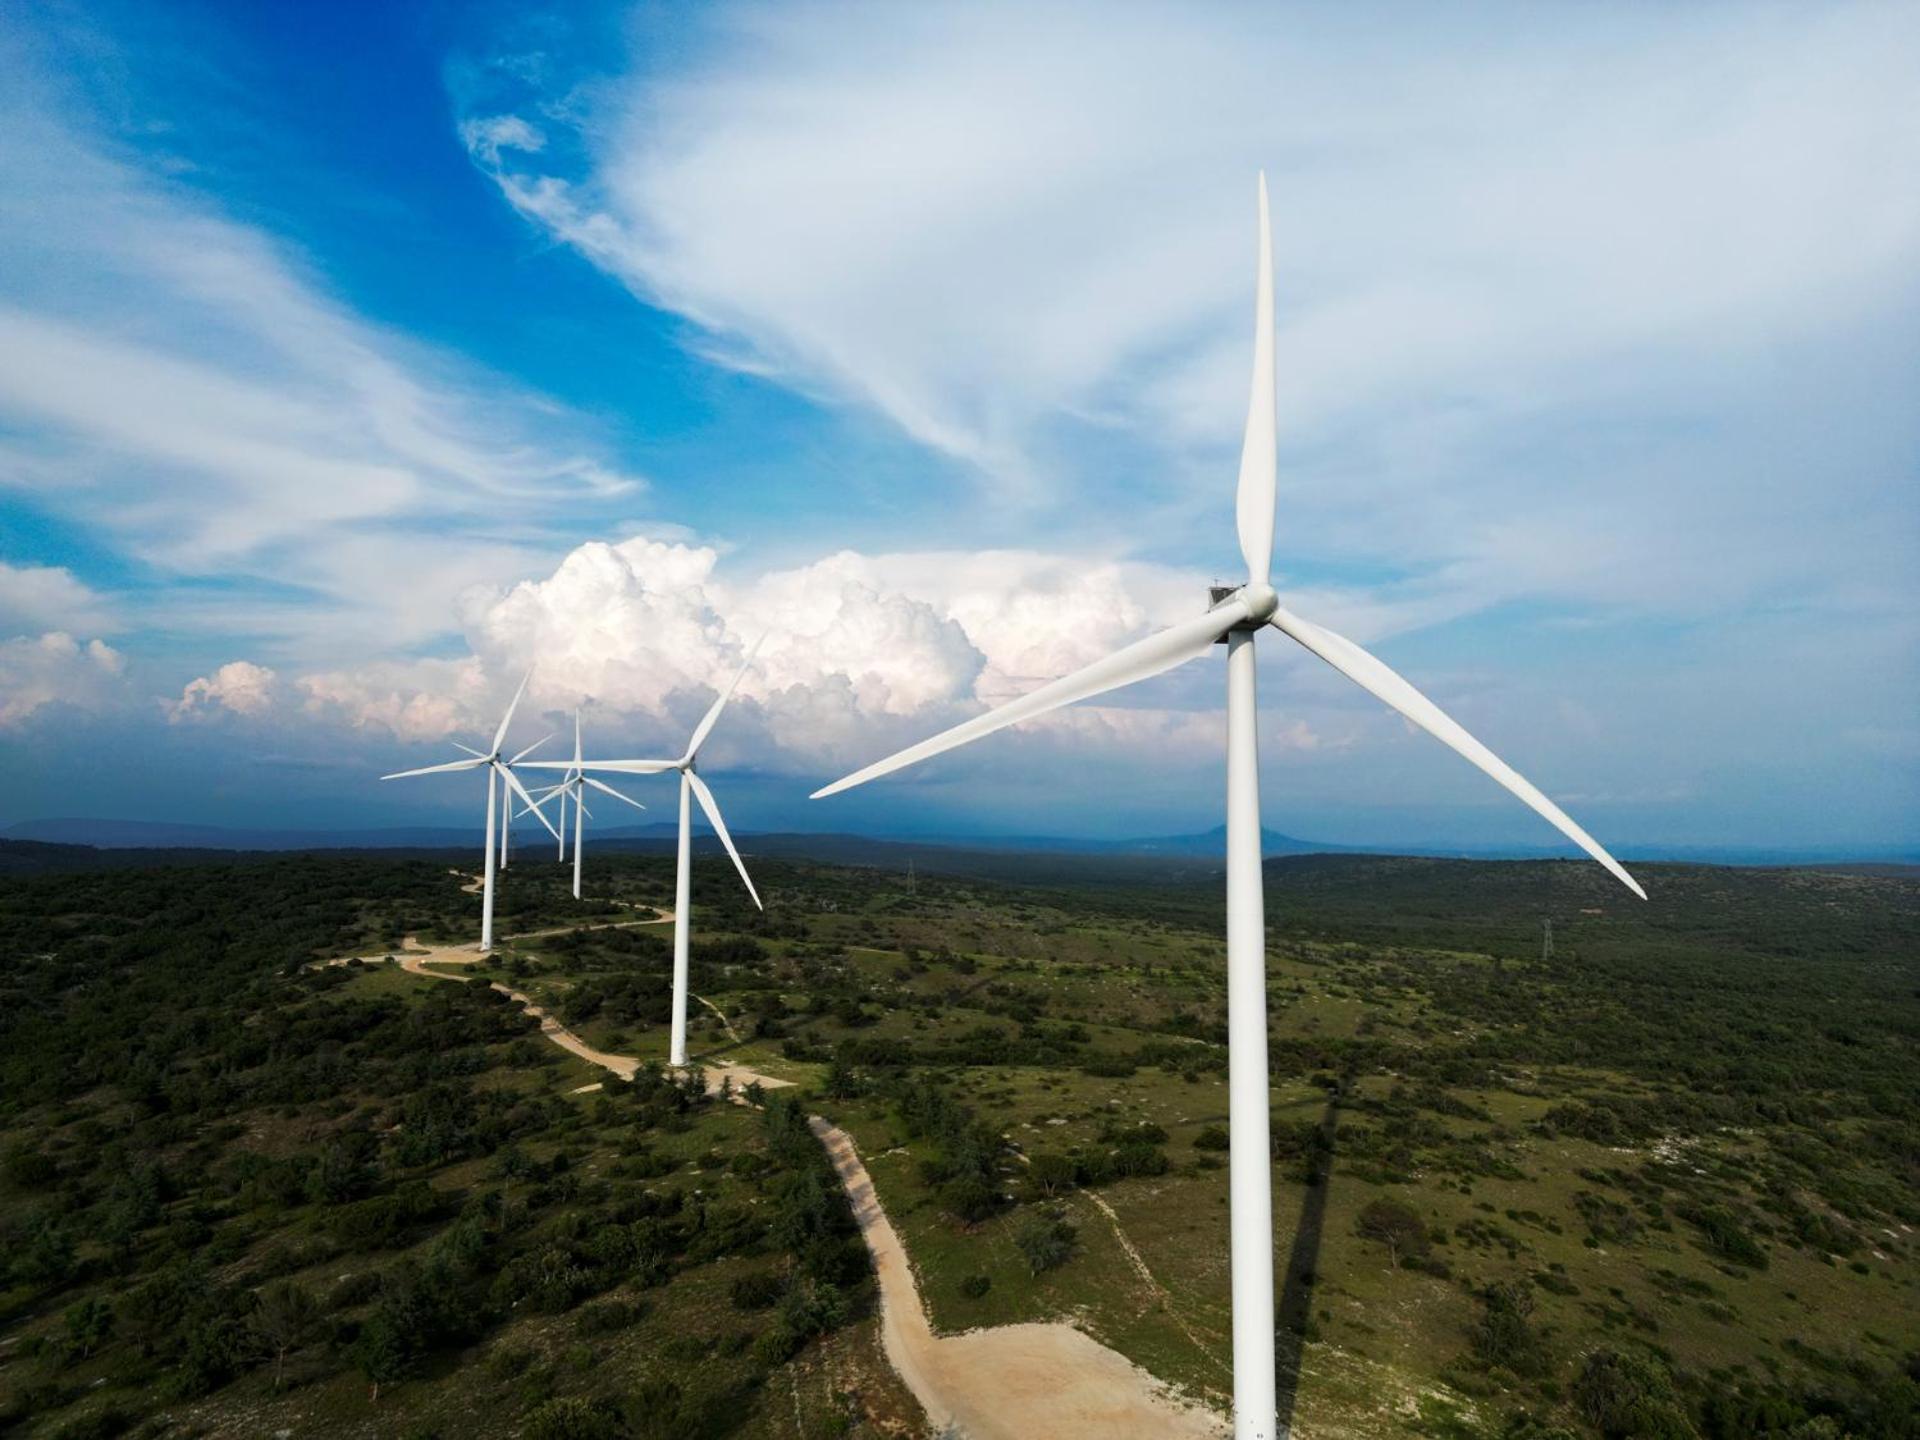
1260, 599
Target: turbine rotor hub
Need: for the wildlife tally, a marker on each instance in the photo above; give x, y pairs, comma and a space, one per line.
1260, 598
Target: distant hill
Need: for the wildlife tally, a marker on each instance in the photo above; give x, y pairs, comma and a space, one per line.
161, 834
1207, 846
165, 835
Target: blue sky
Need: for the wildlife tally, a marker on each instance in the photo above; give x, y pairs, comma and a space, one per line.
354, 358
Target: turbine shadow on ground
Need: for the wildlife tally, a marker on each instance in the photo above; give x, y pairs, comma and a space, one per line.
1295, 1310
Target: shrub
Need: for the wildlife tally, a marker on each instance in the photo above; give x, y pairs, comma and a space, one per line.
1502, 1335
1630, 1395
573, 1419
1726, 1234
758, 1290
975, 1286
968, 1198
1214, 1137
603, 1317
1046, 1241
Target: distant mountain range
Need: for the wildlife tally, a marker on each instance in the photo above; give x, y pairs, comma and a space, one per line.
163, 835
1205, 846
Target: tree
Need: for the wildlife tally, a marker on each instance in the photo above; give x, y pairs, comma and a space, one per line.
968, 1198
1502, 1335
88, 1325
1396, 1226
382, 1350
1630, 1397
842, 1080
1050, 1174
1046, 1241
286, 1318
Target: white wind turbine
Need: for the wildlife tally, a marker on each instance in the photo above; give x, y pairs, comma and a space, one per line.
499, 768
573, 785
690, 783
1237, 616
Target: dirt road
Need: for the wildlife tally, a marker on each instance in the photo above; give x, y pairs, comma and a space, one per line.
1012, 1382
413, 957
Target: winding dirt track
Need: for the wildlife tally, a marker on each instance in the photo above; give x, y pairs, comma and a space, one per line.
1010, 1382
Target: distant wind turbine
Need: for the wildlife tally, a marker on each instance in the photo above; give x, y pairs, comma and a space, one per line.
690, 784
573, 785
499, 769
1236, 616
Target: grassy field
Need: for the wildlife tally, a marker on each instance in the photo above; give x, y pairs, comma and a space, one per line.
1674, 1159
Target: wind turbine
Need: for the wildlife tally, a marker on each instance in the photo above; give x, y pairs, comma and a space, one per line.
573, 784
690, 785
499, 769
507, 817
1236, 616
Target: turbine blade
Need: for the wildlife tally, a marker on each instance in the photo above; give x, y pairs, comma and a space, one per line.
576, 739
707, 721
477, 754
530, 749
708, 804
613, 792
1137, 661
583, 807
631, 767
513, 782
1258, 459
541, 764
500, 735
1378, 679
437, 769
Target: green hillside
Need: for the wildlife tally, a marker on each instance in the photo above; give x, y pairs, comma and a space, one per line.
1659, 1182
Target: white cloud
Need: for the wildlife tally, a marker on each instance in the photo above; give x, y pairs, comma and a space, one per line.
187, 386
47, 597
1535, 279
56, 669
856, 648
419, 700
239, 686
489, 136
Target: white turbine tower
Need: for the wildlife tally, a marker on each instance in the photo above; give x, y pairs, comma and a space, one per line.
499, 769
690, 784
573, 785
1237, 616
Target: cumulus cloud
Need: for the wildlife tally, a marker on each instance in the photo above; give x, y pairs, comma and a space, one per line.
853, 649
56, 669
239, 686
45, 597
419, 700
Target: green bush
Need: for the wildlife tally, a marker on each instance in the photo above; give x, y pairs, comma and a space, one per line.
574, 1419
1046, 1241
758, 1290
